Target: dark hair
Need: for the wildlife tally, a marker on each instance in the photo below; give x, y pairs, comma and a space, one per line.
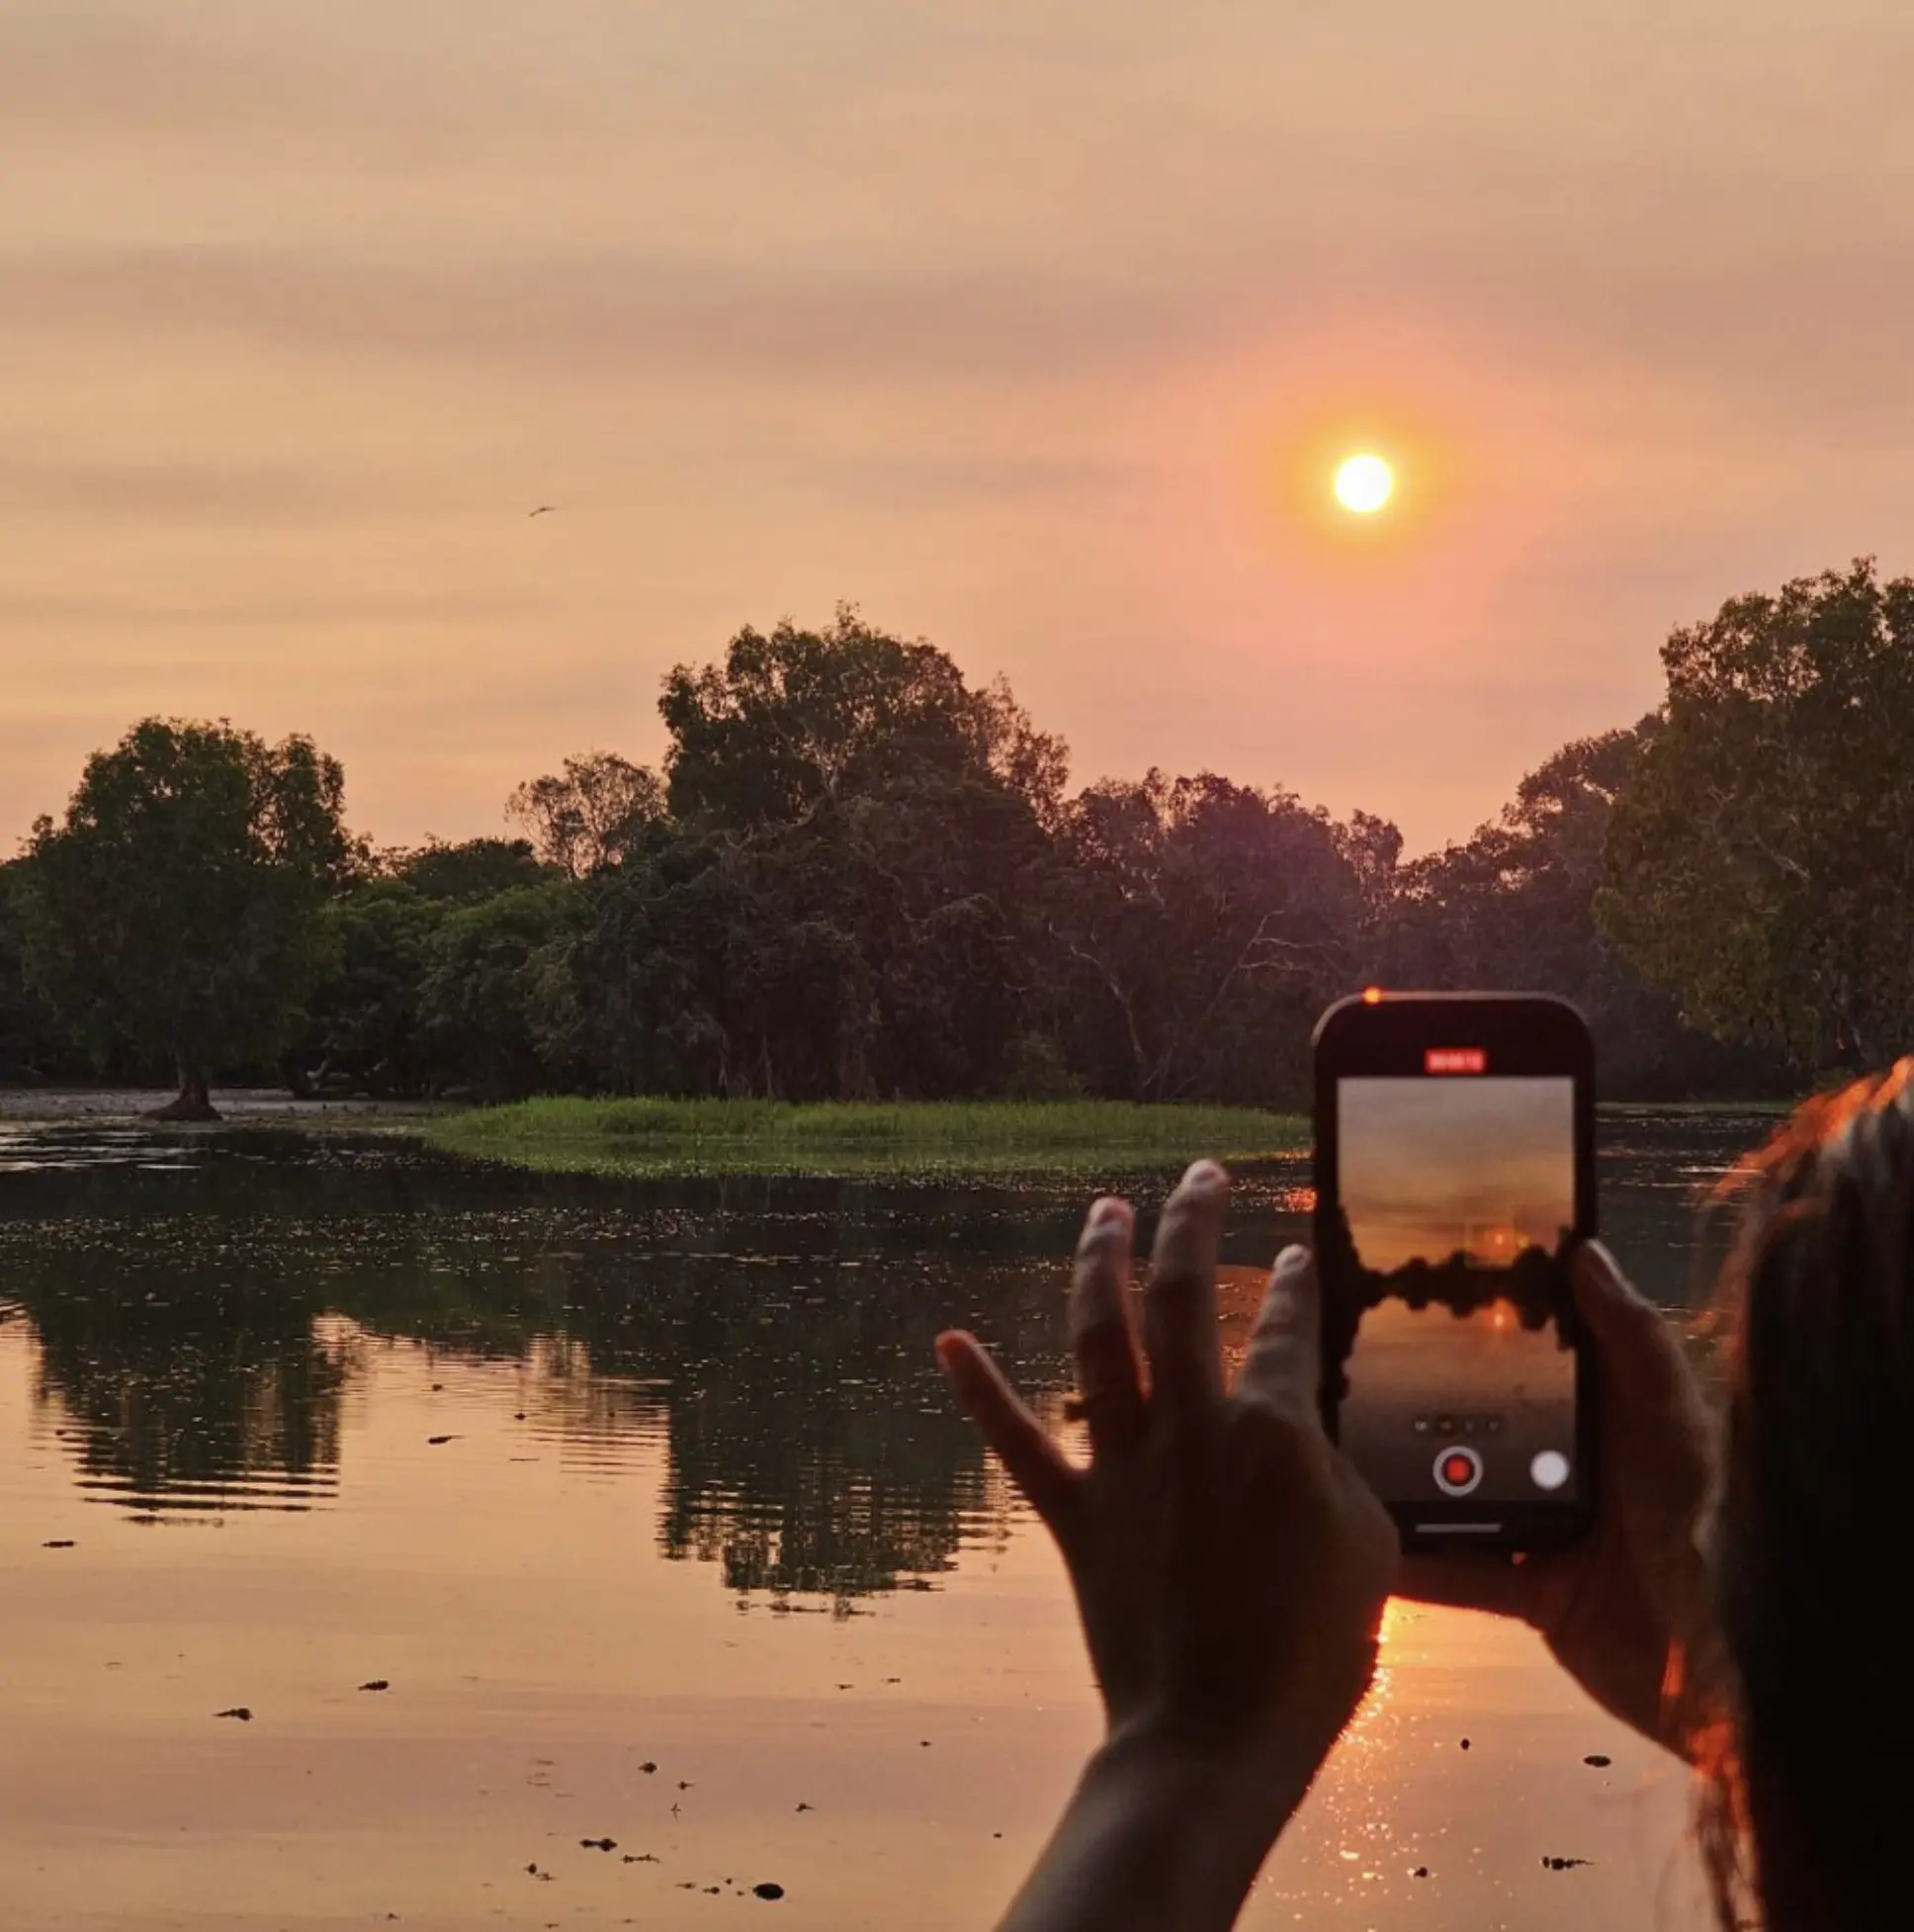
1817, 1499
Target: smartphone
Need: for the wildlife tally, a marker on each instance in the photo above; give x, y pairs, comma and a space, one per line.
1454, 1176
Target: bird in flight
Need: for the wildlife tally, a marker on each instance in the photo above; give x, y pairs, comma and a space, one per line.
544, 510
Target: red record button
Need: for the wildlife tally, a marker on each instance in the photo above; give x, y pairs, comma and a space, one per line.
1457, 1471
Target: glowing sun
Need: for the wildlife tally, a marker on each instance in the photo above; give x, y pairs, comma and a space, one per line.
1364, 482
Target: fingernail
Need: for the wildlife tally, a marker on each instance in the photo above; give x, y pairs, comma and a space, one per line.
1106, 1210
1204, 1175
1293, 1260
950, 1347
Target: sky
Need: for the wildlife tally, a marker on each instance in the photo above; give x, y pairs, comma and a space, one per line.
1035, 331
1422, 1162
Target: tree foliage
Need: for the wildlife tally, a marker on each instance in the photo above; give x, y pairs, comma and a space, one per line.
1199, 927
475, 997
477, 868
363, 1028
425, 955
1513, 909
34, 1045
177, 909
1761, 861
586, 815
840, 901
861, 877
795, 720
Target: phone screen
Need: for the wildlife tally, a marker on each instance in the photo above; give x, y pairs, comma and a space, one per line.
1457, 1209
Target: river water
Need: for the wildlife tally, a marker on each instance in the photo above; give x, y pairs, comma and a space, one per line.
590, 1552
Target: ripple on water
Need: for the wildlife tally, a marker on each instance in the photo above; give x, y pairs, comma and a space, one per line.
184, 1497
32, 1149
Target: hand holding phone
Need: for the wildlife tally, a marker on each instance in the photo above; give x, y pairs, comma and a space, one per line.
1629, 1612
1454, 1178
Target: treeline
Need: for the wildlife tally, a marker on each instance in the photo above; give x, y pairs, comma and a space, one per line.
858, 876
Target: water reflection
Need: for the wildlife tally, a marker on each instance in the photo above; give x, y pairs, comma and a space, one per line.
198, 1334
201, 1309
186, 1386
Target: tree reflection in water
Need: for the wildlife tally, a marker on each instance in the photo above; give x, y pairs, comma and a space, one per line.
777, 1335
186, 1391
199, 1329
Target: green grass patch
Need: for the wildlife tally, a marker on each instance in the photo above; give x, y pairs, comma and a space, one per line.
651, 1137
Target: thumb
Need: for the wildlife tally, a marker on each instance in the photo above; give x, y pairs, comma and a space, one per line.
1656, 1422
1634, 1343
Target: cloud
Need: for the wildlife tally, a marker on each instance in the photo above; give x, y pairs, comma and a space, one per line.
933, 478
572, 316
133, 612
166, 492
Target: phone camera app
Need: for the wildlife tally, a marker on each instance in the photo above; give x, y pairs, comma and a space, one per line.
1445, 1256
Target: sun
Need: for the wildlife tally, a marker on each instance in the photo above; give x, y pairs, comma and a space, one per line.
1364, 482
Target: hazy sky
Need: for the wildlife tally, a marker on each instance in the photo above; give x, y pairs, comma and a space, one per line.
1419, 1161
1034, 330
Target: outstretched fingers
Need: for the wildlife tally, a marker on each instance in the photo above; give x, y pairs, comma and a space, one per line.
1036, 1465
1102, 1340
1282, 1367
1179, 1330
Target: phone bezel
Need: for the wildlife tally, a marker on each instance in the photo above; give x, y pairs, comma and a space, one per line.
1385, 1035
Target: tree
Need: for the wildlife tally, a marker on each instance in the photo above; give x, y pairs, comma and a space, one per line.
874, 947
475, 997
1760, 864
701, 965
586, 817
1513, 909
840, 900
1204, 925
478, 868
363, 1029
33, 1043
177, 908
366, 1030
797, 719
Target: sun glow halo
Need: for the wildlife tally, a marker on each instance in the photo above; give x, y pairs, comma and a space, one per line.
1364, 482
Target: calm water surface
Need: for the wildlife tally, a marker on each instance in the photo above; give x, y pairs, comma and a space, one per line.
643, 1508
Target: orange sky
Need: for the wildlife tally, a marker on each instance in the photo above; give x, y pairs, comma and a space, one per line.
1032, 330
1422, 1162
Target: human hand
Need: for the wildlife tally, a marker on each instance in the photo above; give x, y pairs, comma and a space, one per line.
1229, 1565
1626, 1611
